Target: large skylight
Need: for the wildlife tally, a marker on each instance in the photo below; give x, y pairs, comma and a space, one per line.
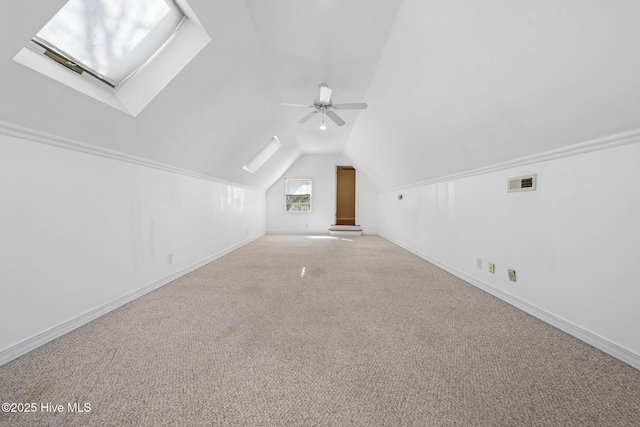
119, 52
112, 38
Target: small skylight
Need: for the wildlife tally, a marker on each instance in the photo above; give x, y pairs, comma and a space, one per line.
112, 38
120, 52
263, 155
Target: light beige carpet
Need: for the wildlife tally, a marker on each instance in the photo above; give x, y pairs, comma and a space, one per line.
370, 336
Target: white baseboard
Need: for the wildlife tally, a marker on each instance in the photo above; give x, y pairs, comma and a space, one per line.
597, 341
299, 232
312, 233
44, 337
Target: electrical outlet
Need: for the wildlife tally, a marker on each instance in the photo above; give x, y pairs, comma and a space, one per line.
512, 275
399, 196
492, 268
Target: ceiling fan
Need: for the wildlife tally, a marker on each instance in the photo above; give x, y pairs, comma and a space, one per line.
324, 104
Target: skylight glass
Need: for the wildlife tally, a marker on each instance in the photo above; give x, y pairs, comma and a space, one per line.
113, 38
263, 155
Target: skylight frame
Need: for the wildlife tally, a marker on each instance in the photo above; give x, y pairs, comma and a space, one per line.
138, 90
110, 39
68, 61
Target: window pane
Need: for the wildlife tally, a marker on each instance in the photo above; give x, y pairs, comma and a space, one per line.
298, 195
112, 37
299, 203
298, 186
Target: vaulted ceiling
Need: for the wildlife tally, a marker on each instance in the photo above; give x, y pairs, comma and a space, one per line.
452, 85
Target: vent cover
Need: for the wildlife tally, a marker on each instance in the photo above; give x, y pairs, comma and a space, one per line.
521, 183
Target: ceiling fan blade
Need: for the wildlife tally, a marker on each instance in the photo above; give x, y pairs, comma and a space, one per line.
354, 106
325, 94
308, 116
286, 104
333, 116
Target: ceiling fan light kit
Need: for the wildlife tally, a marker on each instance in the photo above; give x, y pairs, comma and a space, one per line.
325, 104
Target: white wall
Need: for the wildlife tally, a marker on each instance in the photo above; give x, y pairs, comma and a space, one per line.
574, 243
367, 203
322, 170
460, 86
82, 233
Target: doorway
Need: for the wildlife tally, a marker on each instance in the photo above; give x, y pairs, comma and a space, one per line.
345, 195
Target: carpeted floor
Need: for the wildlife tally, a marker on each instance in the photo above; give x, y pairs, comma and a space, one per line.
371, 335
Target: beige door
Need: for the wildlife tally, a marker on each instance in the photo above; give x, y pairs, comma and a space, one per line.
346, 195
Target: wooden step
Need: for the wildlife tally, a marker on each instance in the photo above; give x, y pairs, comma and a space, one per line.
345, 227
345, 230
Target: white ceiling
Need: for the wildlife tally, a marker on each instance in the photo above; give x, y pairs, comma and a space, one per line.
452, 85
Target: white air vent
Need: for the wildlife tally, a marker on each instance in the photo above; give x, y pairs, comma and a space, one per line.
522, 183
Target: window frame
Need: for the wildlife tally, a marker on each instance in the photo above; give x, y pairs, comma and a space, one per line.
286, 186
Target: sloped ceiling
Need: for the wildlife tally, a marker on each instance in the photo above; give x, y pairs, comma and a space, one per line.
463, 85
451, 85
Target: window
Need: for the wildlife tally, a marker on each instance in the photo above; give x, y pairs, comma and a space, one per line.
119, 52
108, 39
263, 155
297, 195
